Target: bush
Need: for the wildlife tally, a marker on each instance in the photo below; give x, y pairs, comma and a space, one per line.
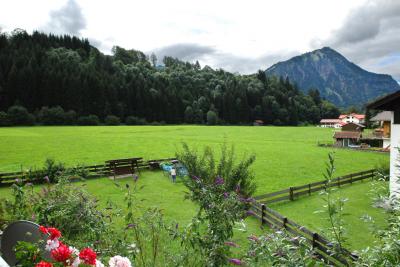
18, 115
62, 205
212, 118
51, 116
4, 121
89, 120
70, 117
112, 120
236, 175
132, 120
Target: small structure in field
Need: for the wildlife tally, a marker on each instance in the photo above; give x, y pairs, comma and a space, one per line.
353, 127
331, 123
391, 103
347, 138
258, 123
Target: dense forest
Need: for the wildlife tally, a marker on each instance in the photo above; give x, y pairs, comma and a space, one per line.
64, 80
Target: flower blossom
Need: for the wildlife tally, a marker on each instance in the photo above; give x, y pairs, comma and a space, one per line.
62, 253
235, 261
44, 264
99, 264
52, 244
219, 181
88, 256
118, 261
231, 244
54, 233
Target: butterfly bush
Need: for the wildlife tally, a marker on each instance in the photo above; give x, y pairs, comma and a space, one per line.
63, 255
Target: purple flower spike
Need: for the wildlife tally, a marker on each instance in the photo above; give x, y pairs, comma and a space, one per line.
135, 177
219, 181
194, 177
17, 181
29, 184
46, 178
231, 244
131, 225
235, 261
250, 213
253, 238
226, 194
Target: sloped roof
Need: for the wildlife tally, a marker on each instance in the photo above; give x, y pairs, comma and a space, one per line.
357, 124
358, 116
382, 116
388, 102
330, 121
346, 134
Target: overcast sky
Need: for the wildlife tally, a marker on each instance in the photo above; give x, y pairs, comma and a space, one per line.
239, 36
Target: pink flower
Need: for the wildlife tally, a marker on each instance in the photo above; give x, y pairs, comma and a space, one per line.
62, 253
52, 244
253, 238
44, 264
54, 233
235, 261
118, 261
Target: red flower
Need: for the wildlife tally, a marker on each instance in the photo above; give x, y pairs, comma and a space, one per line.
62, 253
54, 233
44, 264
43, 230
88, 256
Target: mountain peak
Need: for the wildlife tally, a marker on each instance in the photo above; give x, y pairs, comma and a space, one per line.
338, 80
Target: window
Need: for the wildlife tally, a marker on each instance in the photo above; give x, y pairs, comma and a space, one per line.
396, 119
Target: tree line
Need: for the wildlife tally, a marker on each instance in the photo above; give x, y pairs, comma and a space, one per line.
51, 79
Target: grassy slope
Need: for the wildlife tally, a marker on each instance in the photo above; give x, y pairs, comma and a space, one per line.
285, 155
359, 233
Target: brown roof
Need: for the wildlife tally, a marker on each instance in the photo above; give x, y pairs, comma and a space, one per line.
345, 134
388, 102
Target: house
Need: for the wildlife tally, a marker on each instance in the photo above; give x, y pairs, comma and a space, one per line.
347, 138
258, 123
391, 103
353, 127
331, 123
383, 119
353, 117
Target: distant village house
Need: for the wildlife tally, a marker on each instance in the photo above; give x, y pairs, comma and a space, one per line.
391, 103
343, 120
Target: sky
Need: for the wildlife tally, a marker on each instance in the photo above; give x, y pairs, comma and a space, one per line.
239, 36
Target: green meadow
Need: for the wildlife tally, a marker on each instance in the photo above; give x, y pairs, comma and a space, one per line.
285, 156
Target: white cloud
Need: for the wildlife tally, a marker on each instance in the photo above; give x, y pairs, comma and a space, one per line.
237, 35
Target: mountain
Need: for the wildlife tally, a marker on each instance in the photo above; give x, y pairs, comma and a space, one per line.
337, 79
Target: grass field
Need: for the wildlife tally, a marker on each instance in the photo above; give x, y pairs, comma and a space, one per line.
359, 233
286, 156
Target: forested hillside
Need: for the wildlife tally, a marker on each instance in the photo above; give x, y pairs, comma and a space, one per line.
41, 72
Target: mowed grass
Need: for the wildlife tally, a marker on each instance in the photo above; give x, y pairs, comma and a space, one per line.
359, 233
152, 190
286, 156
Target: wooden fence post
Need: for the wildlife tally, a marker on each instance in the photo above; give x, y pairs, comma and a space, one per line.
284, 222
314, 240
338, 181
351, 178
262, 214
291, 193
309, 189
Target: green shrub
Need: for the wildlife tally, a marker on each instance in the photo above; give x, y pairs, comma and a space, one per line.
112, 120
212, 118
237, 175
51, 116
89, 120
70, 117
18, 115
63, 205
4, 121
132, 120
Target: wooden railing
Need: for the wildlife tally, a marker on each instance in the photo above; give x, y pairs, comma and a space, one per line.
294, 192
37, 176
320, 244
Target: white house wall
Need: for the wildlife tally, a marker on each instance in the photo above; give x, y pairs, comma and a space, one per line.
394, 159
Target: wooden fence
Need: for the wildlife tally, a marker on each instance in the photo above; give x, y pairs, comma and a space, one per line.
294, 192
321, 245
100, 170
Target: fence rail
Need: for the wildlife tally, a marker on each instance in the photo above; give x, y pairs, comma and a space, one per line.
294, 192
99, 170
321, 245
